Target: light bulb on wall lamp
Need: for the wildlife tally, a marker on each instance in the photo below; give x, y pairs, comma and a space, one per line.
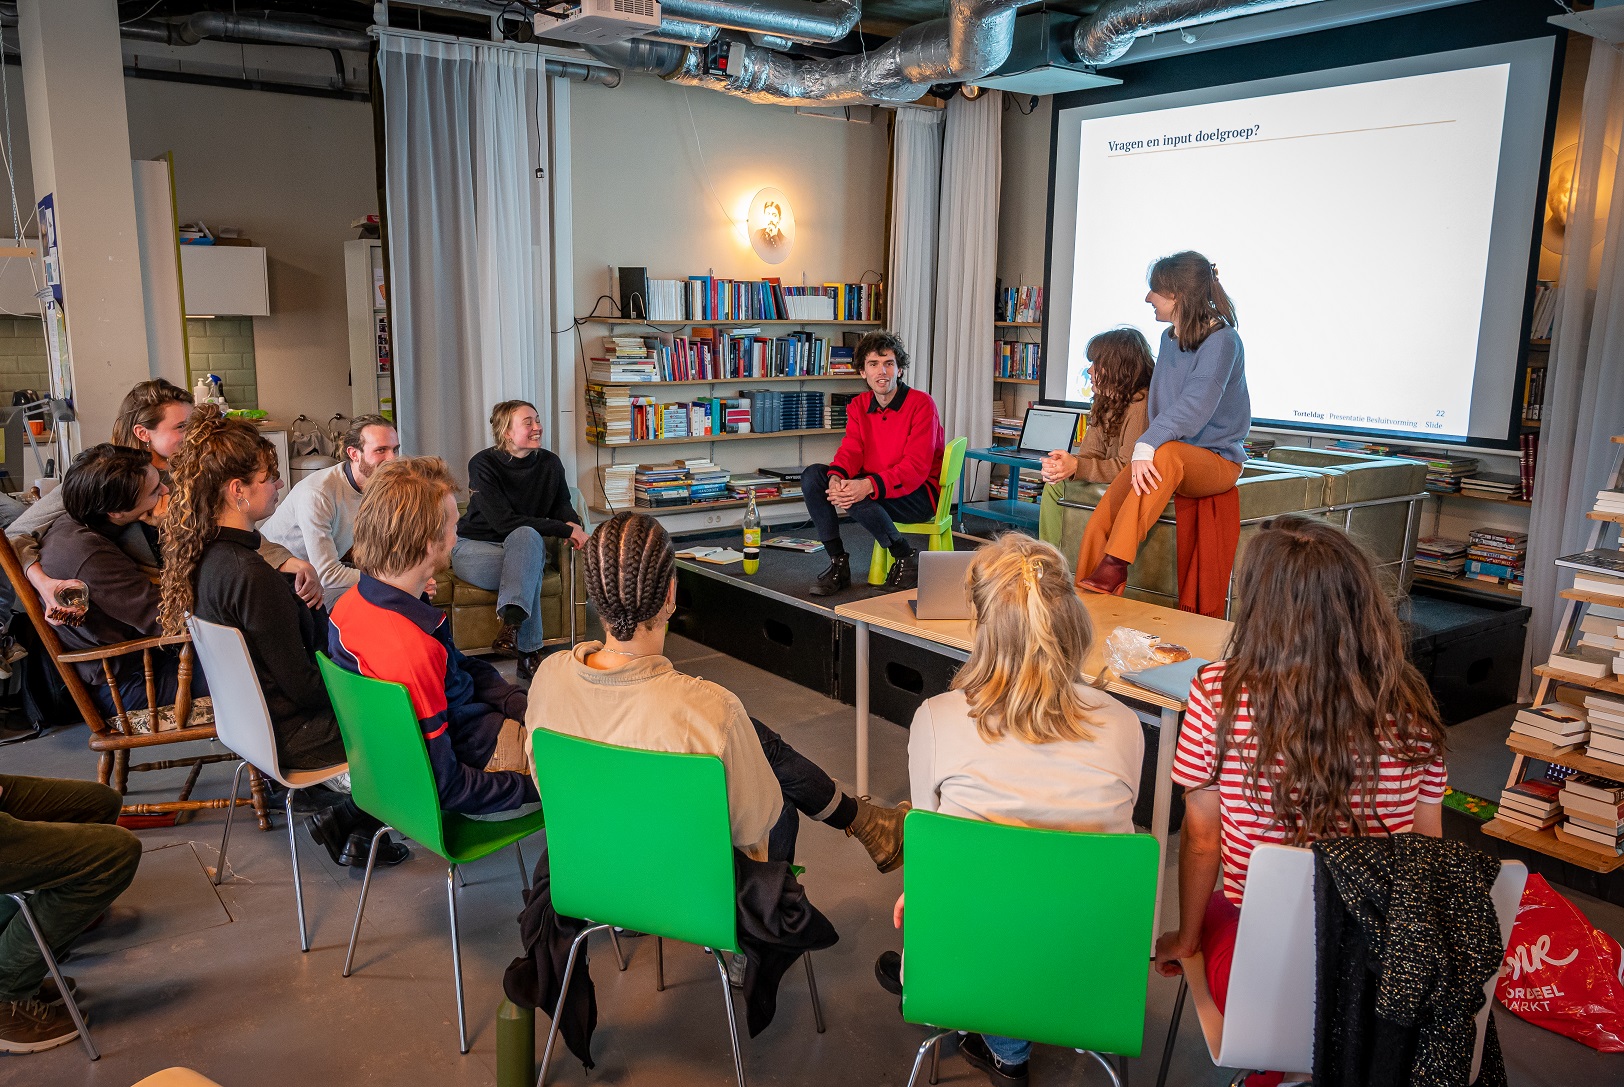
772, 226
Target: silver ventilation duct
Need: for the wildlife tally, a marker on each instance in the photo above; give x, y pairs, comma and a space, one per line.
219, 26
1112, 30
797, 20
682, 32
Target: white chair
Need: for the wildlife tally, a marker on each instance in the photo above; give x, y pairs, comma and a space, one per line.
1268, 1021
243, 723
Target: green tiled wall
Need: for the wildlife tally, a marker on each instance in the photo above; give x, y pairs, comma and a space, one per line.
22, 357
225, 346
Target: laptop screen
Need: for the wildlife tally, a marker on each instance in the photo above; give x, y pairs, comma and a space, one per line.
1049, 428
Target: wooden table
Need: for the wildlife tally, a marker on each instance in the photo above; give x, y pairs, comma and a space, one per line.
1202, 635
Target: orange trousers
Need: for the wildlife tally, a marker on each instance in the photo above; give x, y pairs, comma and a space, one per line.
1123, 519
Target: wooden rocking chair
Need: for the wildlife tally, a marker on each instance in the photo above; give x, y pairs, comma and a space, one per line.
113, 741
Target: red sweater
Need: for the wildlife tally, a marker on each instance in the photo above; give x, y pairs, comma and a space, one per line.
898, 447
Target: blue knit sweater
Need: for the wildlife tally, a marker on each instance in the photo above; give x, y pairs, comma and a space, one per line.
1199, 397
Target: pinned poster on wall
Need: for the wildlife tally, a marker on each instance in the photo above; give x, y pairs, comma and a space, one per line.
48, 245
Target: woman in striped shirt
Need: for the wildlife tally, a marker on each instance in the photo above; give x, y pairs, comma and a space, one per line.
1315, 727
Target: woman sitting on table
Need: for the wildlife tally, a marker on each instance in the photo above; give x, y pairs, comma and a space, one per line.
519, 494
1120, 370
1200, 412
1021, 739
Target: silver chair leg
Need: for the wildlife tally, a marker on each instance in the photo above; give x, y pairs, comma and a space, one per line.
461, 881
56, 975
659, 964
225, 836
298, 884
456, 958
929, 1045
361, 906
563, 991
1105, 1064
935, 1064
732, 1018
812, 984
524, 873
620, 959
1173, 1030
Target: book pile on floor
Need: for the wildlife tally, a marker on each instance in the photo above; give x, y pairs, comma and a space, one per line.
1005, 427
1593, 814
1440, 555
659, 485
1555, 723
1533, 804
1498, 488
706, 482
1444, 473
1496, 555
742, 487
1606, 728
617, 482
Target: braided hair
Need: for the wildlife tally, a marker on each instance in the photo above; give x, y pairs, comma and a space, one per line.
217, 450
629, 566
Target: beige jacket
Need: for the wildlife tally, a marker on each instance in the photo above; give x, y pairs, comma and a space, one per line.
648, 704
1100, 462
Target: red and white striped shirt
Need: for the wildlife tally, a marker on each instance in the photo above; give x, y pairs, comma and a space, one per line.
1248, 817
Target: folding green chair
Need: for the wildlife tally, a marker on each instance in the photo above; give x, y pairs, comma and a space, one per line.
1052, 950
640, 840
391, 779
940, 530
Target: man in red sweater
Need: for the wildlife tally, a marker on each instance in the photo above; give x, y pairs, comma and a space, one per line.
888, 468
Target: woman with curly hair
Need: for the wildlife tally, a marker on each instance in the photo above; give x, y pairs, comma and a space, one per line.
225, 480
1120, 368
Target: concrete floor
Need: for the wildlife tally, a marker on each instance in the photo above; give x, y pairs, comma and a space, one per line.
184, 973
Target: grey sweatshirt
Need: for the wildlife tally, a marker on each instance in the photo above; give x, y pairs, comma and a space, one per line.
1199, 397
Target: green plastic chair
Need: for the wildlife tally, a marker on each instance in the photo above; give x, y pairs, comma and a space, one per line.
1055, 956
940, 530
390, 777
640, 840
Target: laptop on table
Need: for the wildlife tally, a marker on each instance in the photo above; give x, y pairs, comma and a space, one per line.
944, 589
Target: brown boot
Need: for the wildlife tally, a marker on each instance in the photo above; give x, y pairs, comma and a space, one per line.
506, 645
880, 831
1110, 577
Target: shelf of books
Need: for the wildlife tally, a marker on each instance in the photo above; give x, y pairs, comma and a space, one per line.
691, 485
1489, 560
1574, 808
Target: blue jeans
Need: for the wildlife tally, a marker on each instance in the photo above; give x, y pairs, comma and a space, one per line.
1008, 1050
879, 516
512, 570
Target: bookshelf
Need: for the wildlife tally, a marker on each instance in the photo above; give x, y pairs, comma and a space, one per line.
1017, 316
694, 439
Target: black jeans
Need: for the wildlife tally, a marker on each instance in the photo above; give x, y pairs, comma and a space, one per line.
878, 515
59, 840
805, 786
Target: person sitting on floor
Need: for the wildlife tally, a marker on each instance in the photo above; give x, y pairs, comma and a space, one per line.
225, 480
1317, 726
316, 521
1120, 370
623, 690
888, 467
384, 628
108, 488
152, 417
1021, 739
518, 496
60, 840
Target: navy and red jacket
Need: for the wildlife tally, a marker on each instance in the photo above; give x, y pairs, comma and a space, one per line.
898, 447
379, 631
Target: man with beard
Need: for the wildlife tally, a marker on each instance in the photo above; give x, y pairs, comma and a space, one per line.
316, 521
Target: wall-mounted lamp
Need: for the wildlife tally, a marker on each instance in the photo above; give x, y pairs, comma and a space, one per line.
772, 226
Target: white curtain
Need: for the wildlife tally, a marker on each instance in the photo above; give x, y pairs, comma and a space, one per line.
916, 183
967, 268
1585, 401
465, 130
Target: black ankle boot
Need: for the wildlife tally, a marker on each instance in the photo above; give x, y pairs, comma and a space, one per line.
904, 573
834, 579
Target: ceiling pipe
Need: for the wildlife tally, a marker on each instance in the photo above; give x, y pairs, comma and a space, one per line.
219, 24
682, 32
816, 21
1111, 31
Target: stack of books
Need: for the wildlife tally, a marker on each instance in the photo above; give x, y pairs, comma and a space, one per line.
706, 482
1017, 359
1606, 716
660, 485
1610, 502
841, 360
1533, 804
1593, 814
1599, 572
789, 480
1496, 488
741, 487
1496, 555
1440, 555
617, 482
837, 409
626, 358
1028, 488
1256, 447
1444, 473
1562, 726
609, 414
1004, 426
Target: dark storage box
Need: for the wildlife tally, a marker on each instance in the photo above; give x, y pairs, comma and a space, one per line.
796, 643
900, 675
1468, 648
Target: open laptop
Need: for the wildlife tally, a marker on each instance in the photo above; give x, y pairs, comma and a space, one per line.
1047, 429
944, 590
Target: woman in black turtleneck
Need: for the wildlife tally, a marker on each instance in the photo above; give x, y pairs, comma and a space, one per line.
225, 481
519, 494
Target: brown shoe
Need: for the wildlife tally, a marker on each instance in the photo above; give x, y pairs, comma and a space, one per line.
1110, 577
27, 1026
880, 831
506, 645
